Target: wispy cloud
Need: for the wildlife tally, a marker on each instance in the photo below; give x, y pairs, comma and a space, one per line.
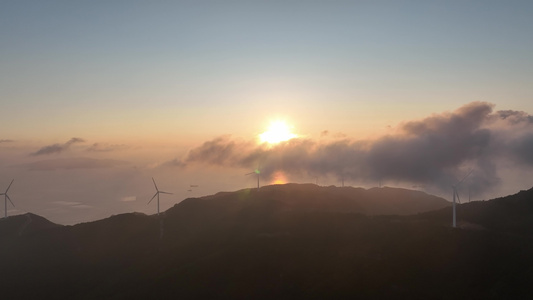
72, 204
430, 151
72, 163
57, 148
82, 206
99, 147
66, 203
173, 163
6, 141
128, 198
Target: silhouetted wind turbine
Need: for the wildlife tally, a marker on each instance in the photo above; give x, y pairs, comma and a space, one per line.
456, 194
157, 194
6, 197
256, 171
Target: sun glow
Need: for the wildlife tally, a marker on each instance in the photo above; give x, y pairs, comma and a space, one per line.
279, 178
278, 131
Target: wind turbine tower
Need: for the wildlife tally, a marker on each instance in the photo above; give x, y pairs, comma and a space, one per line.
157, 194
256, 171
6, 197
456, 195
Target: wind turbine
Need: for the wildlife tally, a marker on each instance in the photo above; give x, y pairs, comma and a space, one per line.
256, 171
456, 194
6, 197
157, 194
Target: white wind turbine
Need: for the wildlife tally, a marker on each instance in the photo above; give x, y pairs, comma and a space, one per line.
157, 194
6, 197
456, 195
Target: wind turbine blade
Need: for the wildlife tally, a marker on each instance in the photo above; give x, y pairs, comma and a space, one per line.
153, 198
10, 200
155, 184
10, 185
457, 195
471, 170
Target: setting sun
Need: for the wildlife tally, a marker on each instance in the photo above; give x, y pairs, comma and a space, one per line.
278, 131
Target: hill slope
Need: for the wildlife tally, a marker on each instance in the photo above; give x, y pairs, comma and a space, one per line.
512, 214
23, 225
269, 245
310, 197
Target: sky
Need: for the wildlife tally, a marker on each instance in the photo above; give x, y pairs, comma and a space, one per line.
98, 97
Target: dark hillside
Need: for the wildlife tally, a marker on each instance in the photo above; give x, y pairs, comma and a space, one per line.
23, 225
511, 214
271, 245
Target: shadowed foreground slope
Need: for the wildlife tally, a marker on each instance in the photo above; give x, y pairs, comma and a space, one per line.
268, 245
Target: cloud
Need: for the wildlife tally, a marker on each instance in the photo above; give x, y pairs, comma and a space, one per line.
72, 163
6, 141
128, 198
433, 151
220, 151
72, 204
66, 203
174, 163
57, 148
98, 147
82, 206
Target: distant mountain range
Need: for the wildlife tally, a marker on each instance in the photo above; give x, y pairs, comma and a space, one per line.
293, 241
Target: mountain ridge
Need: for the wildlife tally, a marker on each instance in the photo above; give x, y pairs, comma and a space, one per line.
260, 244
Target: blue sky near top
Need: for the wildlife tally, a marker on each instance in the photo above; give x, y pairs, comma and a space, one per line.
123, 59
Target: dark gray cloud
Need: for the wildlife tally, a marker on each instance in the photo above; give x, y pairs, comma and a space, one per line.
72, 163
433, 151
515, 117
174, 163
57, 148
523, 148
